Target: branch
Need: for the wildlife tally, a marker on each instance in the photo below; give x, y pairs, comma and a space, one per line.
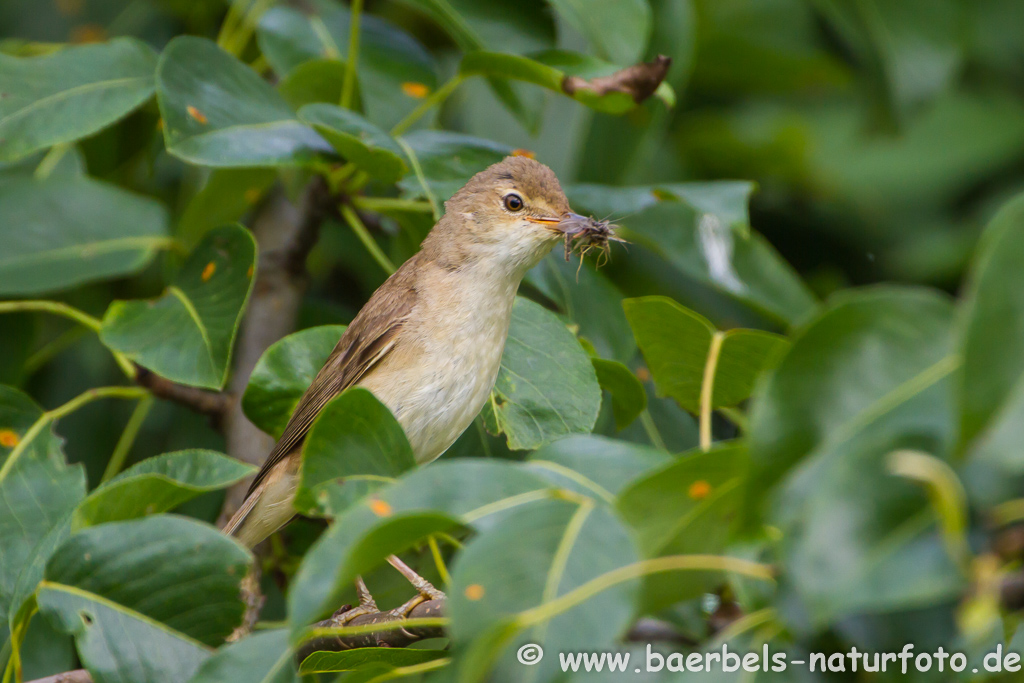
212, 403
76, 676
399, 637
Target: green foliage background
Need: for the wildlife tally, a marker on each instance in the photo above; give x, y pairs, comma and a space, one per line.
789, 411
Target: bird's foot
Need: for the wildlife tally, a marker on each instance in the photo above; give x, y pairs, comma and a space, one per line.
425, 590
367, 605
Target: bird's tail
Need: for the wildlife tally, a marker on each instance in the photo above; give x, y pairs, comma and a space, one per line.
267, 508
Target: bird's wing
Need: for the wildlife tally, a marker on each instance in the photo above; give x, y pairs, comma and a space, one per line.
371, 336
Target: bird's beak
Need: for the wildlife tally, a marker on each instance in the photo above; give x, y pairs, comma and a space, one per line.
560, 224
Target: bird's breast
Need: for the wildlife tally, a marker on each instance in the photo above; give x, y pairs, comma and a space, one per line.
442, 377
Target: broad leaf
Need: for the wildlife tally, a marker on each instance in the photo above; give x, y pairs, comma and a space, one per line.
595, 466
116, 643
63, 232
703, 230
629, 399
868, 376
283, 373
677, 344
174, 570
355, 435
357, 140
395, 71
263, 657
187, 334
448, 160
71, 93
617, 29
992, 379
38, 491
319, 80
685, 507
435, 498
349, 660
219, 112
546, 387
159, 484
545, 550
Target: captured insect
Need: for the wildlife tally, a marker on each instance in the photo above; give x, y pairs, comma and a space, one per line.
586, 233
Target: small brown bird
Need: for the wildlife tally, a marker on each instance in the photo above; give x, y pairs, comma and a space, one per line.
428, 343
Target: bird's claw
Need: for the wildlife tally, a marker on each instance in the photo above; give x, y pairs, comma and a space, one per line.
367, 605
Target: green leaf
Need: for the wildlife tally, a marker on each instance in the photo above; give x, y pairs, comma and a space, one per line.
70, 94
187, 334
703, 230
447, 493
173, 570
159, 484
348, 660
229, 193
594, 466
677, 343
869, 375
549, 69
355, 435
992, 379
544, 550
357, 140
617, 29
284, 372
116, 643
318, 80
685, 507
38, 491
263, 657
63, 232
546, 387
449, 160
219, 112
629, 399
394, 71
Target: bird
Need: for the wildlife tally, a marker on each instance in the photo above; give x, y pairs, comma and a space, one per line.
429, 341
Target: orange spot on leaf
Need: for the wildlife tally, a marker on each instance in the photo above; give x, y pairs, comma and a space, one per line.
208, 271
88, 33
523, 153
661, 195
252, 195
414, 89
8, 439
474, 591
643, 374
249, 272
699, 490
379, 507
196, 114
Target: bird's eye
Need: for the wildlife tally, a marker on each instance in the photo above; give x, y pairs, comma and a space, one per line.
513, 202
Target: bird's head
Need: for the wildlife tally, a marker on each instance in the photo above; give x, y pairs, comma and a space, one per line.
508, 216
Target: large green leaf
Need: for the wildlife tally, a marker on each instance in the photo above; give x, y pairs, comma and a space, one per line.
595, 466
685, 507
348, 660
448, 160
263, 657
64, 231
358, 140
544, 550
219, 112
992, 379
187, 334
469, 491
677, 344
552, 69
868, 376
546, 387
395, 71
703, 230
71, 93
173, 570
617, 29
159, 484
355, 435
283, 373
118, 644
38, 491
